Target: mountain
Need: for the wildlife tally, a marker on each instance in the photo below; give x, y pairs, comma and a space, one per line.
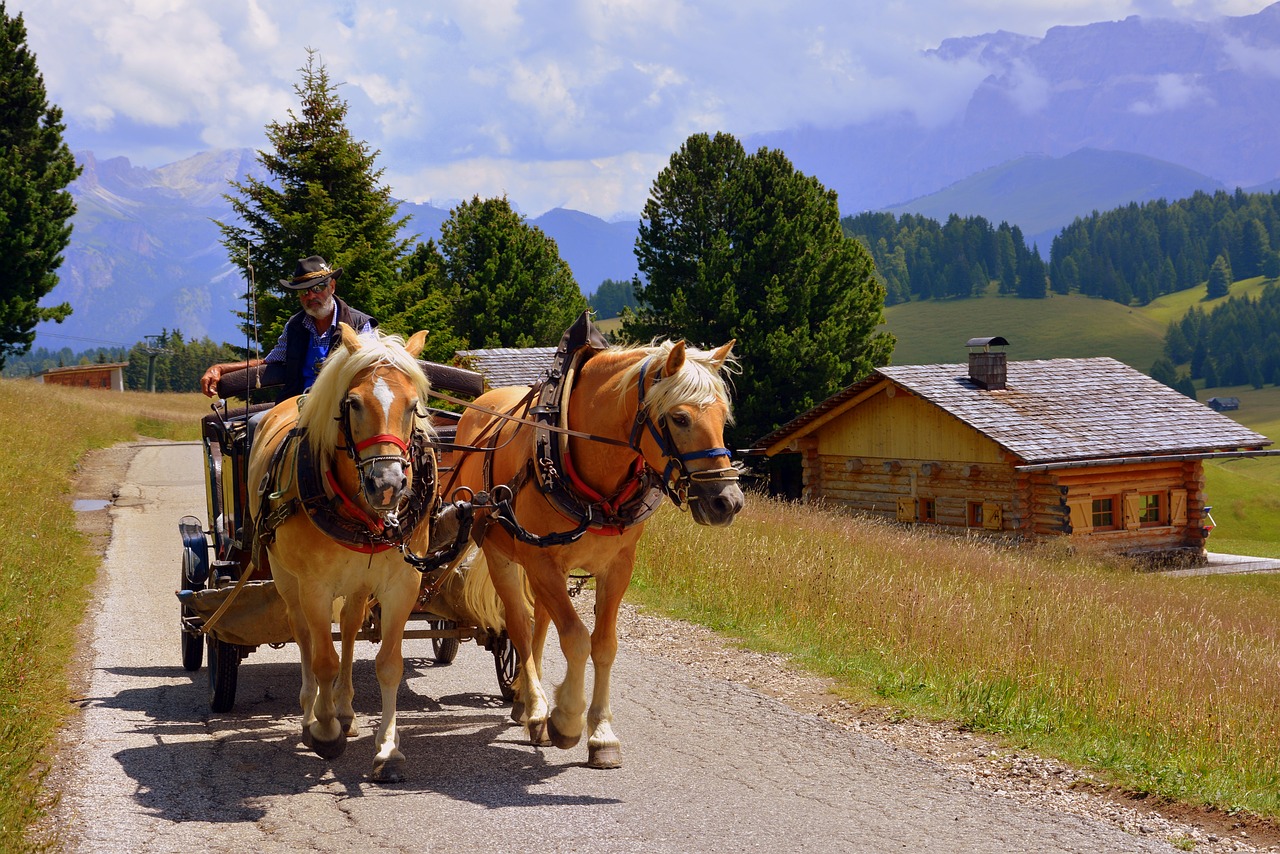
146, 254
1042, 194
1196, 94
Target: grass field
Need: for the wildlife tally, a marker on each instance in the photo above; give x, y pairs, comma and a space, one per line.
1059, 327
46, 568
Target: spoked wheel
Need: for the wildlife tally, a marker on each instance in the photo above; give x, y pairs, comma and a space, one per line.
224, 667
507, 664
445, 650
192, 646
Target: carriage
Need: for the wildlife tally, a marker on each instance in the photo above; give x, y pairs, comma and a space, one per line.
553, 478
226, 614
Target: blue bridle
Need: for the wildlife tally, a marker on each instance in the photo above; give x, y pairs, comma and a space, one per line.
676, 478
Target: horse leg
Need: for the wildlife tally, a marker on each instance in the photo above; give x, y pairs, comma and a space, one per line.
565, 723
353, 611
541, 622
325, 735
286, 586
603, 748
388, 761
507, 581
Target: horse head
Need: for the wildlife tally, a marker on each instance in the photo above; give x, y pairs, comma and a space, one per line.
679, 429
378, 390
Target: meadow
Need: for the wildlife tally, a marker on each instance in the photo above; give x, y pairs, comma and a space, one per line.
46, 568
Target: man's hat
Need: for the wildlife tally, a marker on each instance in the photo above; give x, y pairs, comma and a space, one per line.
309, 272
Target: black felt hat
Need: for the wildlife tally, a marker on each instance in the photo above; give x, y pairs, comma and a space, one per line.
310, 272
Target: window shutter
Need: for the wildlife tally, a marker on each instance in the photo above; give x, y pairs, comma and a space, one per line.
906, 510
1081, 515
1177, 507
1132, 510
992, 517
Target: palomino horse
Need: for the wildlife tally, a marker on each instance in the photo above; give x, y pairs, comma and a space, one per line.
344, 482
566, 501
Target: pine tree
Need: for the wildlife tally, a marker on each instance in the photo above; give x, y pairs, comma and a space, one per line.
35, 208
323, 198
512, 288
737, 246
1219, 283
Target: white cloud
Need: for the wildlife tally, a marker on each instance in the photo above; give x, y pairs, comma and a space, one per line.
1170, 92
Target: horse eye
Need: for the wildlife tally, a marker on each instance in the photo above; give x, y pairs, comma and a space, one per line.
354, 402
680, 419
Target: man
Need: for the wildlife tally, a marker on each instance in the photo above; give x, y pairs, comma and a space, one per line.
307, 336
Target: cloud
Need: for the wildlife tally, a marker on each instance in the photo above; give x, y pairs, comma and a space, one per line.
1170, 92
556, 99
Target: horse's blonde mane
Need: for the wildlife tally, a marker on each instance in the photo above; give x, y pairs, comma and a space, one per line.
318, 416
697, 383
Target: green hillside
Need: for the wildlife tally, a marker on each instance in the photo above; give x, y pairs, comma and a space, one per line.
1073, 326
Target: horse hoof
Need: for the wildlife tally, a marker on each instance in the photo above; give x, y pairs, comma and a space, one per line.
559, 739
517, 711
538, 733
391, 771
325, 749
604, 756
349, 727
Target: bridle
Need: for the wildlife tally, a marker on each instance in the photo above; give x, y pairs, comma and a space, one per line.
677, 477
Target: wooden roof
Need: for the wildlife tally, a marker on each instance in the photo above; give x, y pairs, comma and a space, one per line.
1053, 410
508, 366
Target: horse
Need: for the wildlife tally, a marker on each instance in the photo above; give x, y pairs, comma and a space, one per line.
345, 484
565, 499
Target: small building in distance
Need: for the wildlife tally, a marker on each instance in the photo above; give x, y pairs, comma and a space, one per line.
107, 375
1086, 448
1223, 404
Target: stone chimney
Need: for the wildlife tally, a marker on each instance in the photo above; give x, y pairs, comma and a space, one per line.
987, 369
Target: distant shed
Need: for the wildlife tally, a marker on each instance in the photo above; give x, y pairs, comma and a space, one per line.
1088, 448
1223, 404
107, 375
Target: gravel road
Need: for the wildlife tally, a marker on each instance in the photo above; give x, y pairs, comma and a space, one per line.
724, 750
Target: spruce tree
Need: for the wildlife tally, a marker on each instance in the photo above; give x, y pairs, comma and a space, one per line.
322, 197
745, 247
35, 208
511, 286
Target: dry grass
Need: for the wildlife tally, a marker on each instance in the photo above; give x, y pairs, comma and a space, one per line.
1166, 685
46, 567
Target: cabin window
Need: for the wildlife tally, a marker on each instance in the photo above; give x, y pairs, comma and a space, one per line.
1149, 504
928, 510
975, 514
1104, 513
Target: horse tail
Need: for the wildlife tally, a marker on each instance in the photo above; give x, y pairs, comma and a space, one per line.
481, 597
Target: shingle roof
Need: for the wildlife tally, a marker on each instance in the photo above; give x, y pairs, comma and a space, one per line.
507, 366
1062, 409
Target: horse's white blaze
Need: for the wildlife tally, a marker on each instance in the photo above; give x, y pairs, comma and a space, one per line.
385, 396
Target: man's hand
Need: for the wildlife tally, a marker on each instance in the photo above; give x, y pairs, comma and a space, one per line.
209, 382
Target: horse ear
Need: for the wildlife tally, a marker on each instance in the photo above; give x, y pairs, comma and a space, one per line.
675, 360
349, 337
416, 343
721, 355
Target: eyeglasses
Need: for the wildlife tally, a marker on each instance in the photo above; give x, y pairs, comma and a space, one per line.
316, 289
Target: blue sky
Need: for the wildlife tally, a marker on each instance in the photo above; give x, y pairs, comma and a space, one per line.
554, 104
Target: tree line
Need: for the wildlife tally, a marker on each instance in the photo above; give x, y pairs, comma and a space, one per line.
919, 258
1138, 252
1236, 343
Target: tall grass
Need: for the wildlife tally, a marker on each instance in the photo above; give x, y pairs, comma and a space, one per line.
1164, 685
46, 567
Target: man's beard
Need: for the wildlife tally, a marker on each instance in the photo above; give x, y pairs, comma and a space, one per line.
325, 310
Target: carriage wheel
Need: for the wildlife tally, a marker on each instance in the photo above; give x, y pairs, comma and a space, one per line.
507, 663
444, 649
224, 666
192, 646
192, 642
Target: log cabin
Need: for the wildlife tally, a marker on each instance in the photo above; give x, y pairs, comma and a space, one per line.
109, 375
1086, 448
